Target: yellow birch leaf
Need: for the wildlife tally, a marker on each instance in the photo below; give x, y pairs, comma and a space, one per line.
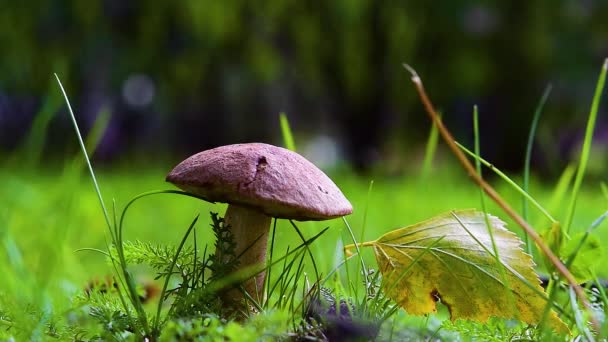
450, 258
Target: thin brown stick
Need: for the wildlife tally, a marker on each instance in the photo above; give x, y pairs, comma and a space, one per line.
487, 188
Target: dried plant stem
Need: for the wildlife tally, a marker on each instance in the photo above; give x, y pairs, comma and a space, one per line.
487, 188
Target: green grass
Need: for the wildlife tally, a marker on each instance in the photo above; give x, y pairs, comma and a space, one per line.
32, 200
54, 235
50, 217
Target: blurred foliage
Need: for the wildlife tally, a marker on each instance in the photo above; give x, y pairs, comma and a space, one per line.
221, 71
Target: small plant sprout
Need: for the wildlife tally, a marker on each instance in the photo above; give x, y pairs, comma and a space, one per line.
258, 181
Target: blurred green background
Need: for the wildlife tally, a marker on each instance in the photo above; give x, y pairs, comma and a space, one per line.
182, 76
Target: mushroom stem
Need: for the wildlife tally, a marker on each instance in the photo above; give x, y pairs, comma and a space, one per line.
250, 230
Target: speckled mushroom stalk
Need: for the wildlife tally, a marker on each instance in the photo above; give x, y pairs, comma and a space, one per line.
258, 181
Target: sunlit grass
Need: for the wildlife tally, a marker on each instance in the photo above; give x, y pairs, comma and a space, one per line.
49, 218
36, 199
52, 223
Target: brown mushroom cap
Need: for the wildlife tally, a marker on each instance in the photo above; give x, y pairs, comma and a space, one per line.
277, 181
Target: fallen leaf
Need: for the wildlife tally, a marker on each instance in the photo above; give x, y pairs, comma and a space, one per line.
450, 259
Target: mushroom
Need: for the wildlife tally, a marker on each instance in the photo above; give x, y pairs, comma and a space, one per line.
258, 181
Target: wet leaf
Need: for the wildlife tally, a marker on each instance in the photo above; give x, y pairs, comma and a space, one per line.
450, 259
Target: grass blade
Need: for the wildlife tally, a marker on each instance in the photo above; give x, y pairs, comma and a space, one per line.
531, 136
359, 255
508, 180
431, 148
34, 144
84, 152
586, 149
286, 131
156, 325
489, 190
312, 258
504, 279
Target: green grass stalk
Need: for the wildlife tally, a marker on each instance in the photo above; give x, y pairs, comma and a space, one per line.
531, 135
156, 325
482, 199
449, 139
286, 131
431, 148
509, 181
85, 154
586, 148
